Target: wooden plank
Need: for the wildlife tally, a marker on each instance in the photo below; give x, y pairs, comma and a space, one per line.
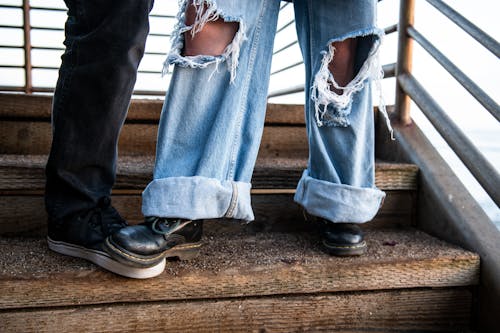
25, 106
18, 172
414, 310
29, 137
236, 266
290, 114
25, 214
21, 106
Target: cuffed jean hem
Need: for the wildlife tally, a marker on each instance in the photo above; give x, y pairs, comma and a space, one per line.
338, 203
196, 198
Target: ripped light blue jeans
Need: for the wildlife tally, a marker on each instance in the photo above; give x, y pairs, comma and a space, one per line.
213, 116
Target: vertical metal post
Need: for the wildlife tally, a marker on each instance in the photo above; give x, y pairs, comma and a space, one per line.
27, 47
405, 58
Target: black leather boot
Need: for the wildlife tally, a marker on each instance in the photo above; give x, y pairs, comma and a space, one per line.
342, 239
82, 235
148, 243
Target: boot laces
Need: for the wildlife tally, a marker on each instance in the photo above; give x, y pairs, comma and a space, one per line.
106, 216
166, 226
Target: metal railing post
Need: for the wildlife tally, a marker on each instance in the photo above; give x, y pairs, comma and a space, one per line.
405, 58
28, 85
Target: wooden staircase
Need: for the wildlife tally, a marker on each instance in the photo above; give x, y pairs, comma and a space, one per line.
268, 276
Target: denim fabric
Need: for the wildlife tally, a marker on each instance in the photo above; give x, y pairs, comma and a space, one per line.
104, 45
213, 116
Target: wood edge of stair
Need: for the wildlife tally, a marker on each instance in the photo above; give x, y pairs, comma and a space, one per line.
238, 266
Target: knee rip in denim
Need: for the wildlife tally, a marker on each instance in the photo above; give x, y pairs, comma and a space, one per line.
333, 109
206, 11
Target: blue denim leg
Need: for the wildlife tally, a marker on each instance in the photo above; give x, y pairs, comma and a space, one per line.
338, 184
213, 117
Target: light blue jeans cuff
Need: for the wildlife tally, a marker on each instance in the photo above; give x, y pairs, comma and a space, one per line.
338, 202
196, 198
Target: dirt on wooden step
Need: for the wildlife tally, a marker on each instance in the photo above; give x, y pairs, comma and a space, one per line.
31, 257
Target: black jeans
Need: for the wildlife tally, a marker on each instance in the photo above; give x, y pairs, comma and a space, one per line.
105, 42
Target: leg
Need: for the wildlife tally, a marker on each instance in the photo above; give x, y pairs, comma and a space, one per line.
342, 65
104, 45
340, 51
211, 122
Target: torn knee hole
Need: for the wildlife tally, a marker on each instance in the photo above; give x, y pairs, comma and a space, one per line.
210, 34
342, 64
345, 67
204, 36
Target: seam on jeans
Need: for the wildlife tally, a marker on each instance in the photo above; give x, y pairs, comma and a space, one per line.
251, 63
232, 203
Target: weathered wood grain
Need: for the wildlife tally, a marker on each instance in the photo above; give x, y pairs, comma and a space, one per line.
34, 137
26, 172
236, 266
21, 106
25, 214
401, 311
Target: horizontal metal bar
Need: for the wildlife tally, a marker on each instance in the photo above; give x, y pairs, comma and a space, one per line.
283, 6
12, 47
286, 47
287, 91
460, 76
145, 71
285, 26
11, 6
46, 28
479, 35
51, 90
162, 16
390, 29
46, 67
50, 9
11, 66
389, 70
11, 27
150, 92
478, 165
287, 67
48, 48
159, 35
11, 88
156, 53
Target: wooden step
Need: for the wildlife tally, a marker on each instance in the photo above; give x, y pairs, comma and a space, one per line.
25, 127
22, 181
27, 172
261, 281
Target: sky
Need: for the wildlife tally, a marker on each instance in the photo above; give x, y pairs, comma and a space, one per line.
482, 66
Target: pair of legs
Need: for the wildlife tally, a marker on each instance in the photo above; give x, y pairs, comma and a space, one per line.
214, 111
209, 134
213, 117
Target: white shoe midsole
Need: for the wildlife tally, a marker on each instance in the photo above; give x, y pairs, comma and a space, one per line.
102, 259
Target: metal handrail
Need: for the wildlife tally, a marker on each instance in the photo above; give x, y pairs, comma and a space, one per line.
477, 164
27, 28
407, 87
463, 79
470, 28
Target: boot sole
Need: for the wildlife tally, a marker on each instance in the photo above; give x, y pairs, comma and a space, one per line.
104, 260
185, 251
345, 250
